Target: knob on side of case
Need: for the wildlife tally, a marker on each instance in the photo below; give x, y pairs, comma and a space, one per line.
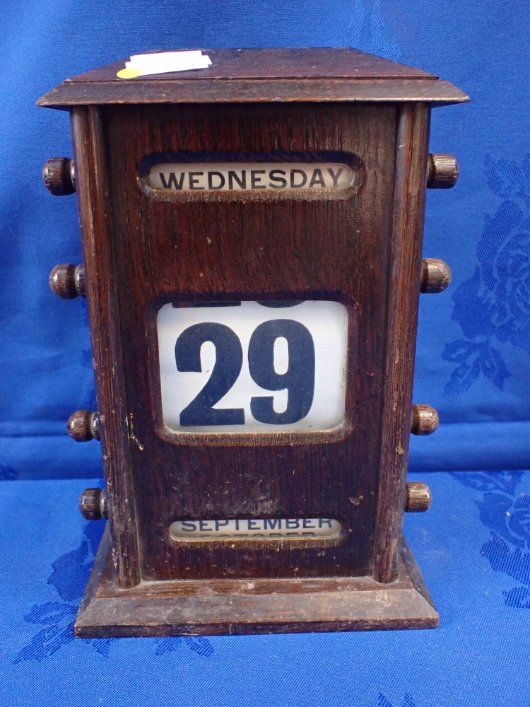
418, 497
442, 171
424, 420
435, 275
83, 425
68, 281
58, 175
93, 504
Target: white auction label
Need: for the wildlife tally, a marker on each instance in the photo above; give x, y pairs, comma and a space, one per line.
253, 367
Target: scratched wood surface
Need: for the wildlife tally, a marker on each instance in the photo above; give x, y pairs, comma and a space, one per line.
279, 62
263, 75
207, 251
234, 606
141, 252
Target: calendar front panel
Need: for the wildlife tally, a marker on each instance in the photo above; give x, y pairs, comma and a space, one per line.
254, 346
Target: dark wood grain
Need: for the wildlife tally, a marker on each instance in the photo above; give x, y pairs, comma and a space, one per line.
402, 291
363, 250
262, 606
135, 92
167, 252
107, 342
263, 75
277, 63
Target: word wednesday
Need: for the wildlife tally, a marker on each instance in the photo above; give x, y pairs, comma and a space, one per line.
240, 176
254, 527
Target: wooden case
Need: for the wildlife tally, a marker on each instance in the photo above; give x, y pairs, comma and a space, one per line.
362, 250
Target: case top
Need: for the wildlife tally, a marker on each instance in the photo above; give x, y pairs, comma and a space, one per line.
262, 76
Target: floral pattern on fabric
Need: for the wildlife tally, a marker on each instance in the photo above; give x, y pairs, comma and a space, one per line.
69, 576
492, 307
507, 515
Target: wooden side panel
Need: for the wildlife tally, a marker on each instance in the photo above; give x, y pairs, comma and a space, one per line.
106, 335
296, 248
403, 292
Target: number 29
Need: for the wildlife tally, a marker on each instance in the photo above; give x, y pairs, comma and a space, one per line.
298, 379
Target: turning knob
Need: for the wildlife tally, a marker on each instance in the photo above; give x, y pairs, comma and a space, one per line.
68, 281
418, 497
93, 504
58, 175
435, 275
424, 420
83, 425
442, 171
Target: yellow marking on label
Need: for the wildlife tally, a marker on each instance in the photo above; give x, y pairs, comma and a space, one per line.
128, 73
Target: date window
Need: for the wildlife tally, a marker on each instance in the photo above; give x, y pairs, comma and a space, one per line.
275, 366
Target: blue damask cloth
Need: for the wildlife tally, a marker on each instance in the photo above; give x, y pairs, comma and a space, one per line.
473, 364
473, 547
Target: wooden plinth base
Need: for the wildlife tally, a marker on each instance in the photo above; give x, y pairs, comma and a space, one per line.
229, 606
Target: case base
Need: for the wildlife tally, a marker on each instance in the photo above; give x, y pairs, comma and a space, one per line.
239, 606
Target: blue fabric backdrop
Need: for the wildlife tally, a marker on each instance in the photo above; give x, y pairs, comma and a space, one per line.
473, 364
473, 547
473, 359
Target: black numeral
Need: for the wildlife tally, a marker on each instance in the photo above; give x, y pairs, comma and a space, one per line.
228, 362
299, 379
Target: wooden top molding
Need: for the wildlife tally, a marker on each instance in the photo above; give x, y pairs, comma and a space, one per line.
278, 63
262, 76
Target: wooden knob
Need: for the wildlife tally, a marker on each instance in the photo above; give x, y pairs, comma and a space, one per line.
418, 497
93, 504
83, 425
58, 175
435, 275
424, 421
68, 281
442, 171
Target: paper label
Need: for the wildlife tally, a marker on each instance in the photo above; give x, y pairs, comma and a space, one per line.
251, 176
256, 529
163, 63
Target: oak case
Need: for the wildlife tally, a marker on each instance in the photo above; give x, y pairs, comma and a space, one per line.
363, 251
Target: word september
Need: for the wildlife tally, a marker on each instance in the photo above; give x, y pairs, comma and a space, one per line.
250, 176
255, 528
